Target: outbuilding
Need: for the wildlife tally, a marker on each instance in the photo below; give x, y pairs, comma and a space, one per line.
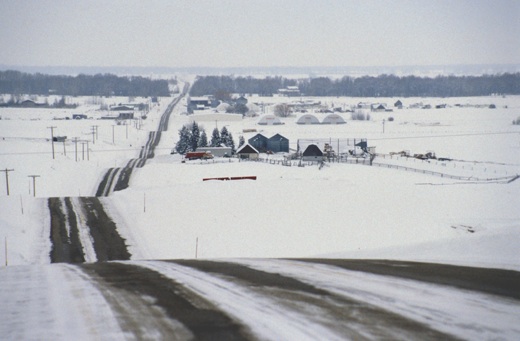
333, 119
259, 142
278, 143
269, 120
247, 152
217, 151
308, 119
312, 153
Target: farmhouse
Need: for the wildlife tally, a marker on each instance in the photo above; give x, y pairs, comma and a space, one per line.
200, 103
247, 152
122, 108
241, 100
278, 143
289, 91
126, 116
378, 107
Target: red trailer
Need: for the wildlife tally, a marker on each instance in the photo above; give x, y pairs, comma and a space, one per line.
198, 155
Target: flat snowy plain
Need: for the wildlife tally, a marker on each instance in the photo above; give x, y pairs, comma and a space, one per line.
339, 211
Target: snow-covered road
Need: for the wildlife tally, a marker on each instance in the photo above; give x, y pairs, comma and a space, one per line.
255, 299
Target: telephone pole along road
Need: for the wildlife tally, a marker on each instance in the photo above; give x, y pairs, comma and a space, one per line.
260, 299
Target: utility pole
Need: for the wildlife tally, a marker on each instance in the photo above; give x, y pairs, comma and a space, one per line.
34, 182
76, 147
52, 140
7, 178
94, 134
88, 155
113, 127
64, 148
83, 150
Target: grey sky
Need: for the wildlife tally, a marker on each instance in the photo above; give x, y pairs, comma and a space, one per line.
227, 33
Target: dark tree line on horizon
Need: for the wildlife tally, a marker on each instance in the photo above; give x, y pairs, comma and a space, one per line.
16, 82
367, 86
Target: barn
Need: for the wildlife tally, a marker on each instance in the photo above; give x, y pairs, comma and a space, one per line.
247, 152
259, 142
269, 120
312, 153
333, 119
278, 143
308, 119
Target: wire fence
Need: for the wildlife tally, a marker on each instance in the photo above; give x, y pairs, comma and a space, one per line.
361, 161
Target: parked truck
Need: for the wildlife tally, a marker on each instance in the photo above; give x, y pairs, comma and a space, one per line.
198, 155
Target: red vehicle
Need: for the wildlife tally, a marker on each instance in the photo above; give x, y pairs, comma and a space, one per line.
198, 155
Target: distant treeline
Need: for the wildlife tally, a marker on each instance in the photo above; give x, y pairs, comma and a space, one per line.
15, 82
368, 86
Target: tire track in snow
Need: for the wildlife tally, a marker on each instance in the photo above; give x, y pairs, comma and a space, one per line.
66, 246
149, 304
121, 176
81, 230
278, 307
462, 313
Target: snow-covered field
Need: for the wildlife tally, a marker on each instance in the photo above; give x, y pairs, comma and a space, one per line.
342, 210
339, 211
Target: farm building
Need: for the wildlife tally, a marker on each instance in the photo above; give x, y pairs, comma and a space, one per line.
241, 100
217, 151
312, 153
278, 143
126, 116
269, 120
333, 119
308, 119
247, 152
259, 142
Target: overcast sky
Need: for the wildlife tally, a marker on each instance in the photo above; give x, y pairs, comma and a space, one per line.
227, 33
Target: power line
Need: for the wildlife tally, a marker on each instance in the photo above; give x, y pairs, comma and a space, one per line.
448, 135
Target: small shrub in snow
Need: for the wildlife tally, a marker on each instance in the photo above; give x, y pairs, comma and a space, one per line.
390, 119
517, 121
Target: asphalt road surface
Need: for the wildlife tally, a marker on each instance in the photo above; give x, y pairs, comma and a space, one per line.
260, 299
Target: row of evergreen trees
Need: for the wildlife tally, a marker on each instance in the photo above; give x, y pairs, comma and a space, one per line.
368, 86
16, 82
193, 136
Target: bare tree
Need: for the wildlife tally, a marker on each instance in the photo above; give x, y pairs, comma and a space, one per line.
282, 110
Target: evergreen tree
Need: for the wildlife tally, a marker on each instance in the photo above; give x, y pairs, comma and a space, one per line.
194, 136
215, 138
203, 140
183, 144
241, 141
230, 143
224, 136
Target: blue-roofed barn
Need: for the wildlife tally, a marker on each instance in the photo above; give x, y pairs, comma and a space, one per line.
259, 142
278, 143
